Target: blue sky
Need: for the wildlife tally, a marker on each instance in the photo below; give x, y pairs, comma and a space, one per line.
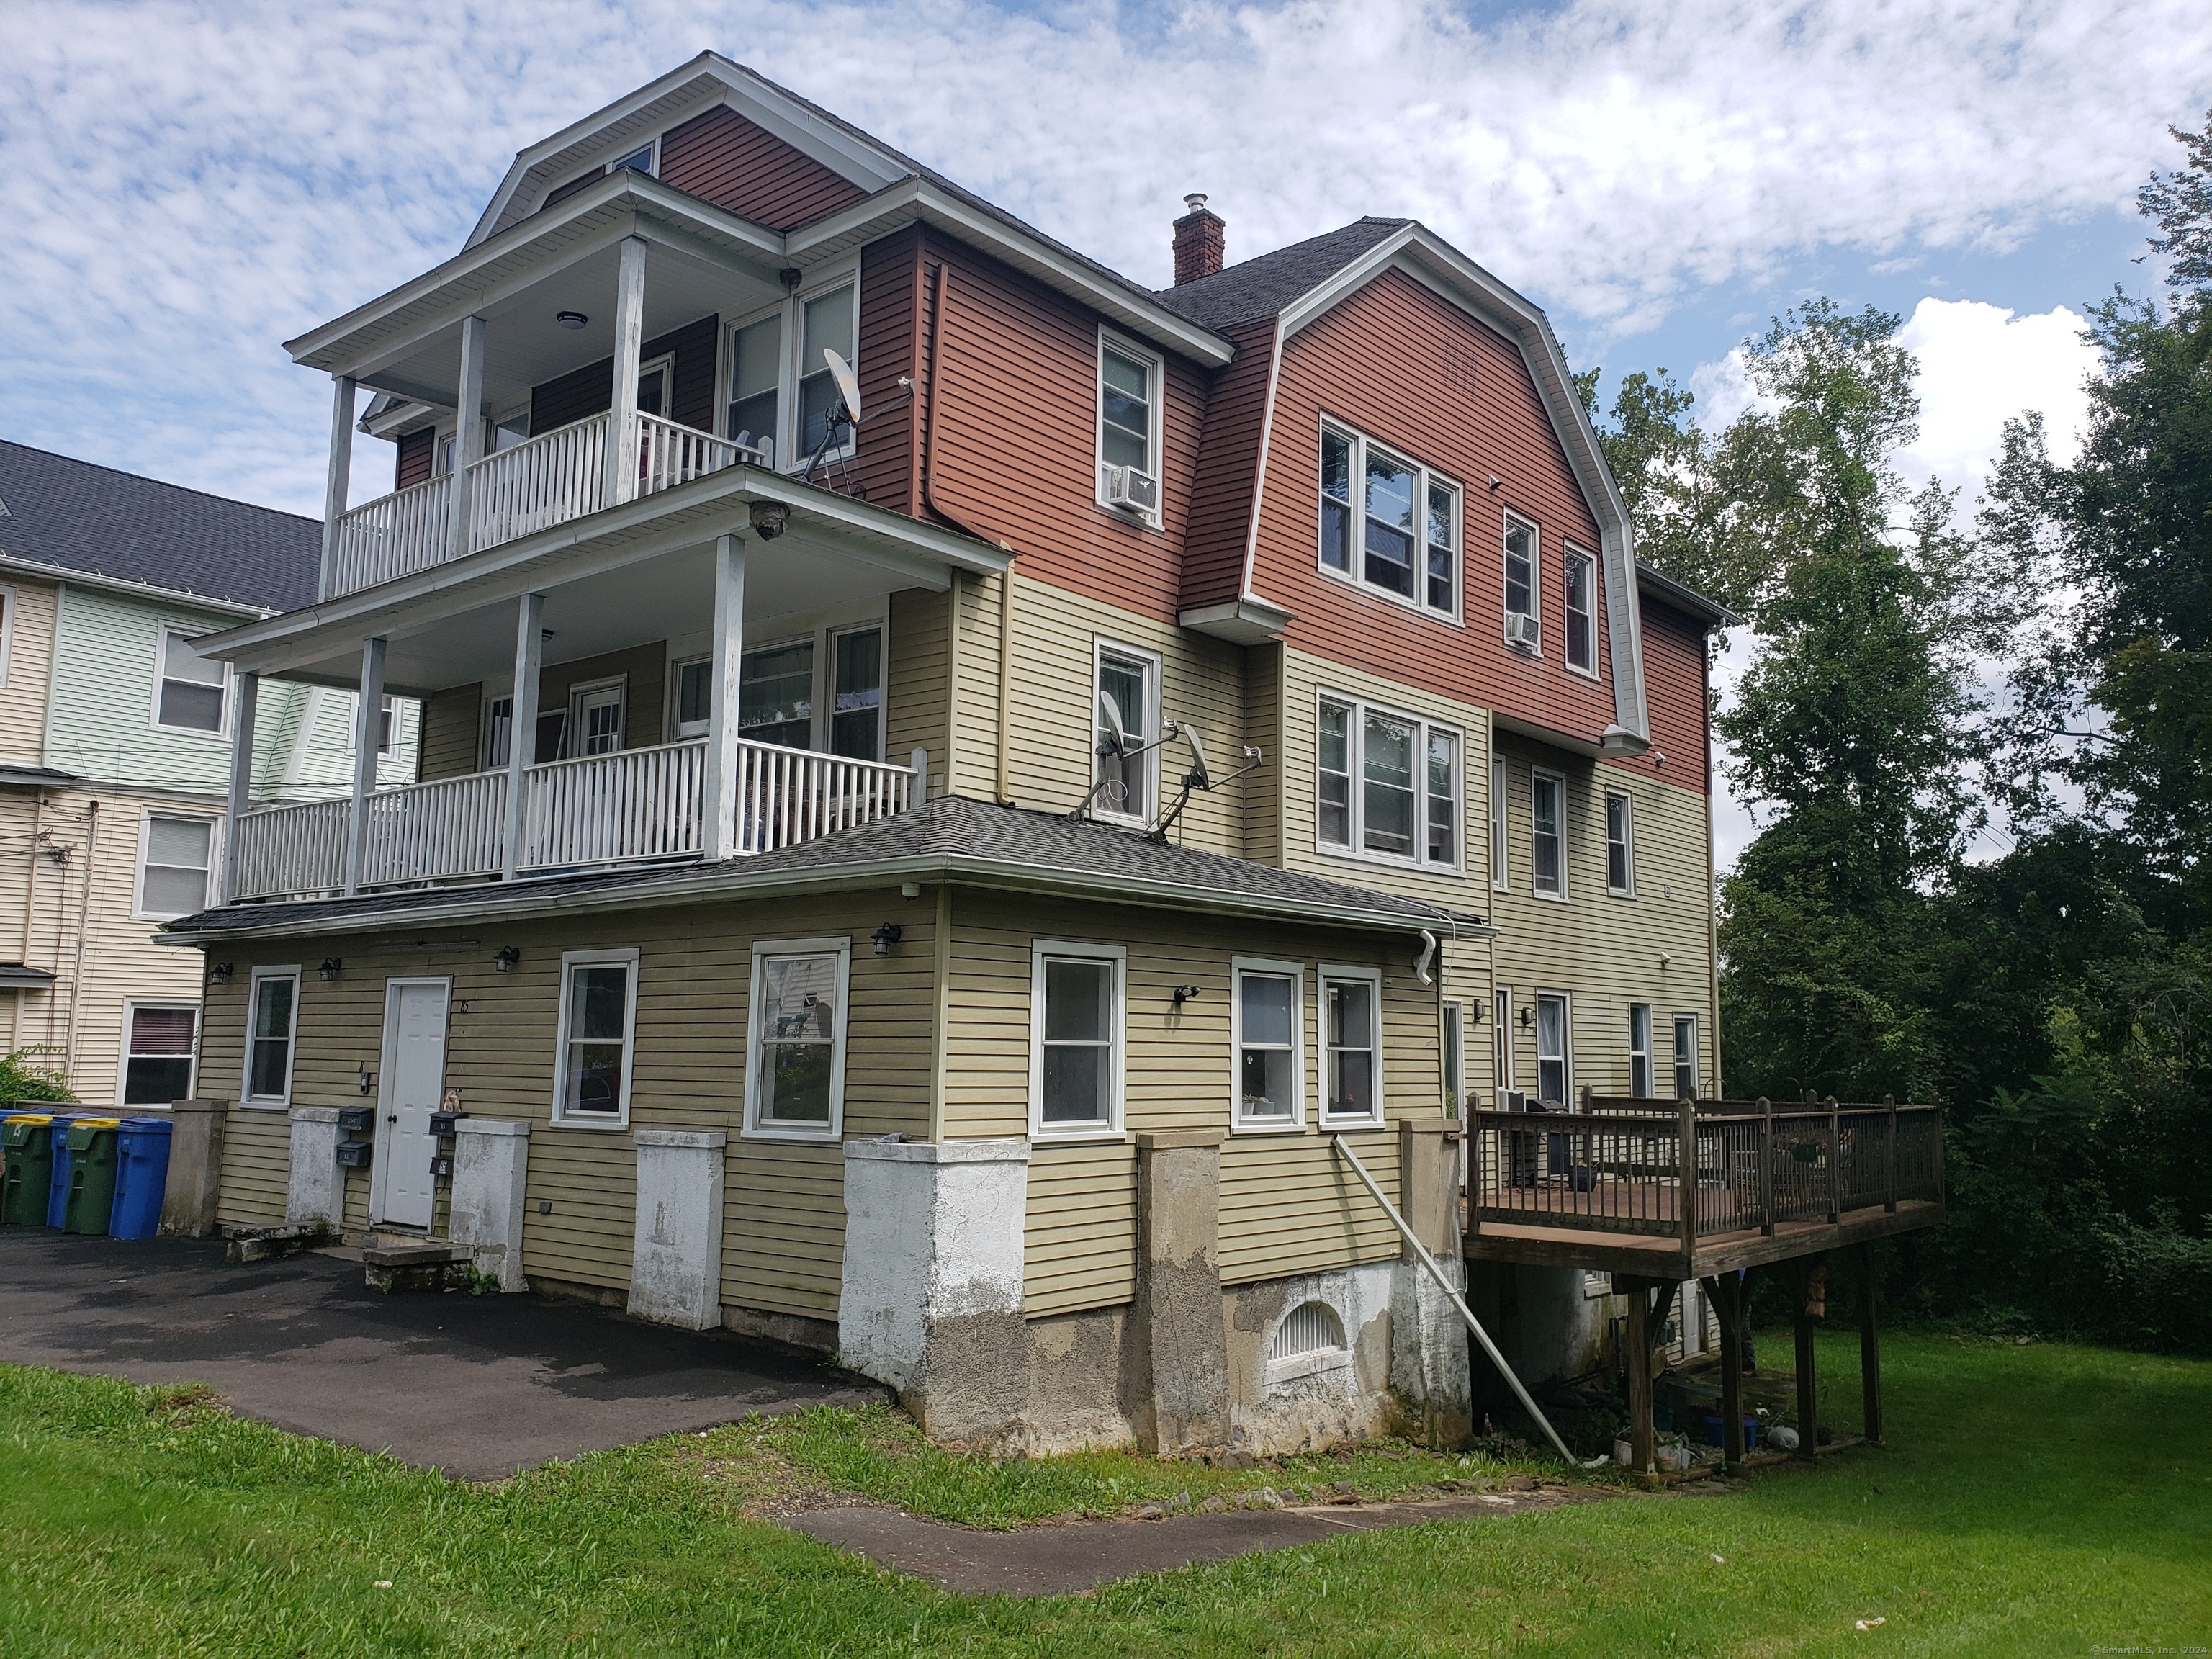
185, 186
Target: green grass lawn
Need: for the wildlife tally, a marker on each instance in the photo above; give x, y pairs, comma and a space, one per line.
2041, 1499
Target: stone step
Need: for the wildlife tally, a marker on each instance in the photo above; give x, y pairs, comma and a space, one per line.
414, 1267
273, 1243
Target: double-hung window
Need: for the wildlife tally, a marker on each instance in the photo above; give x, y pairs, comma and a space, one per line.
1386, 784
1523, 615
1639, 1050
273, 1021
1501, 1041
1686, 1056
775, 695
826, 323
1388, 523
174, 863
1547, 835
157, 1053
189, 696
795, 1080
1455, 1065
755, 386
1581, 583
1499, 877
1075, 1039
1267, 1012
784, 403
1554, 1071
856, 698
599, 1023
1128, 426
1125, 714
1619, 845
1352, 1046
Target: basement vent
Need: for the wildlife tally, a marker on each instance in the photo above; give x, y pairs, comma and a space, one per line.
1311, 1327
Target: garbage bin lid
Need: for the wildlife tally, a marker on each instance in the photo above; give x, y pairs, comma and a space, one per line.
30, 1117
99, 1123
148, 1125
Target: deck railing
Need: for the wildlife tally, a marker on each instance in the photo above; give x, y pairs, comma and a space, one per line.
1696, 1169
630, 806
539, 483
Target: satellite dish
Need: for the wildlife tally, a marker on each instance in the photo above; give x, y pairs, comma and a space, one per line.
1198, 772
1117, 735
848, 386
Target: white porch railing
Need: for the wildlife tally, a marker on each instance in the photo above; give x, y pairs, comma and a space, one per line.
670, 454
393, 536
552, 478
632, 807
285, 850
426, 831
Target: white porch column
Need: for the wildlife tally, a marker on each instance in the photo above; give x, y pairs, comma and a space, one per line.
629, 349
364, 757
339, 480
468, 435
720, 805
247, 698
522, 727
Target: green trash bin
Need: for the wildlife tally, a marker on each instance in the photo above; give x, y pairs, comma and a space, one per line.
93, 1147
27, 1143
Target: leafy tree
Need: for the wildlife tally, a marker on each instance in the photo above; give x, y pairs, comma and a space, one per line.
24, 1078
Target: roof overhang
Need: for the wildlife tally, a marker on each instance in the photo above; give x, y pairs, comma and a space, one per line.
14, 976
732, 880
1247, 621
26, 774
1658, 585
13, 564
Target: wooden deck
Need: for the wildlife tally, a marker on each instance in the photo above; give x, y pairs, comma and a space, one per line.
1645, 1255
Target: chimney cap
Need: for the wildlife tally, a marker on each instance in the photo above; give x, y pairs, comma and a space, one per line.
1195, 202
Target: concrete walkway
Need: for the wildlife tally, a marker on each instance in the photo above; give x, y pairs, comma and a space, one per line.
478, 1386
1059, 1560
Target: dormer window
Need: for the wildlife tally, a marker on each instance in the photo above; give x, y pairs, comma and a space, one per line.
1389, 524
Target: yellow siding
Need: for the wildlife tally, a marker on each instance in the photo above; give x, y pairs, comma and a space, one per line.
913, 689
451, 732
30, 657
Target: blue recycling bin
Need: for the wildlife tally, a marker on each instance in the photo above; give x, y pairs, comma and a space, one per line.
142, 1176
58, 1194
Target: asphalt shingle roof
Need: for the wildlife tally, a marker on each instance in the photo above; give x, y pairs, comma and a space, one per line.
1261, 286
101, 522
950, 830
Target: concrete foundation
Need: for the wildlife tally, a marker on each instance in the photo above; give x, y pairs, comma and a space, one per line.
1179, 1356
675, 1260
315, 1189
195, 1180
491, 1160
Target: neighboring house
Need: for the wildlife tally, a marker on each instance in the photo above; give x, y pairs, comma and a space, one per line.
115, 753
943, 892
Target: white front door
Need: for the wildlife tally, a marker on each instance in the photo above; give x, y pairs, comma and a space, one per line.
414, 1079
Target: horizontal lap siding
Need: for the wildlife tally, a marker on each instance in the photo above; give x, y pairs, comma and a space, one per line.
884, 468
1263, 729
644, 671
1079, 1247
1674, 688
590, 390
257, 1164
1227, 471
913, 689
452, 719
32, 607
1013, 449
413, 456
723, 158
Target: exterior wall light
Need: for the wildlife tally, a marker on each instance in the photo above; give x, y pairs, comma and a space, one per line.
505, 959
368, 1080
570, 318
886, 936
331, 966
1187, 993
1528, 1018
220, 972
769, 518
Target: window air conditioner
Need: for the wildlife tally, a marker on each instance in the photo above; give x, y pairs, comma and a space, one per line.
1513, 1100
1523, 631
1126, 487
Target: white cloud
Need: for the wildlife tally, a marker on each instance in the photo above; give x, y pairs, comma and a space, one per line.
1980, 366
187, 184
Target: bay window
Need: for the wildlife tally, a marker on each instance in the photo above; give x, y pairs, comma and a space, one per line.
1387, 523
1405, 805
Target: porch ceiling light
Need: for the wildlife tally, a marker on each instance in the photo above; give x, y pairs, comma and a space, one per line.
769, 518
570, 318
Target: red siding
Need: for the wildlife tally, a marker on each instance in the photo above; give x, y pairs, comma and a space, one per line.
1228, 471
1675, 691
884, 469
1407, 366
1011, 450
726, 160
411, 464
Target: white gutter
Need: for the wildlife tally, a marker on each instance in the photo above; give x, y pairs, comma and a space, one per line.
57, 573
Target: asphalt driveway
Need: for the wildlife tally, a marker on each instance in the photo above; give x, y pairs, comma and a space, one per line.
478, 1386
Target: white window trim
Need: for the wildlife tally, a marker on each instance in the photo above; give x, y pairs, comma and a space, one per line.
270, 1103
672, 728
1696, 1056
573, 735
162, 633
1566, 1042
131, 1007
1627, 842
763, 951
825, 701
605, 169
1501, 1043
1501, 878
1569, 553
1296, 973
789, 457
1559, 778
1313, 1362
1358, 850
1158, 367
1651, 1070
1332, 973
1536, 577
562, 1117
1101, 647
8, 600
1451, 1034
1425, 476
1041, 952
139, 910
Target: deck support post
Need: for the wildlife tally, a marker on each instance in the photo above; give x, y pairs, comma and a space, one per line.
1809, 1394
1835, 1165
1725, 1292
365, 727
1638, 1338
1889, 1157
522, 728
337, 483
1869, 1350
721, 807
1766, 1166
243, 706
1687, 1168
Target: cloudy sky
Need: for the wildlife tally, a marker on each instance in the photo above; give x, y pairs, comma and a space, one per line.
184, 185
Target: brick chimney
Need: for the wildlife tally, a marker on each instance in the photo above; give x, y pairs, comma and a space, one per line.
1199, 241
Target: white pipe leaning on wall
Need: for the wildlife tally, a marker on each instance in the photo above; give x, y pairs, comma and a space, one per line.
1459, 1302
